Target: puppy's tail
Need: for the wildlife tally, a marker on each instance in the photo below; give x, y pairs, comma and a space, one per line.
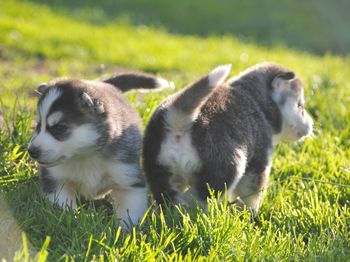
186, 104
128, 81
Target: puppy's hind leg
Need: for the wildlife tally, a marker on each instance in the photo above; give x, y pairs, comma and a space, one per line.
252, 188
130, 203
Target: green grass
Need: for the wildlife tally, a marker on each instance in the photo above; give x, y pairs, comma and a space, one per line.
315, 25
306, 213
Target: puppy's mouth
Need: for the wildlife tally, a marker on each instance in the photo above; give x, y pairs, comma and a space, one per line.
53, 163
305, 132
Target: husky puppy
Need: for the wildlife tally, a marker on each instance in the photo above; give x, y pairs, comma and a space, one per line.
88, 141
223, 135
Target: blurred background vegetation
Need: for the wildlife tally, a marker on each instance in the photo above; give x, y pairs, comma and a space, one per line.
317, 26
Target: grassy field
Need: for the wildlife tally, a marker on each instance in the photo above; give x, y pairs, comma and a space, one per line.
306, 213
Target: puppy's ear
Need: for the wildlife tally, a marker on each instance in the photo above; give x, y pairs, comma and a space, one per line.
93, 104
42, 88
281, 85
86, 100
283, 80
287, 76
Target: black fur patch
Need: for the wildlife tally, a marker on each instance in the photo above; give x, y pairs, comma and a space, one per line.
126, 147
128, 81
157, 174
60, 131
139, 184
48, 184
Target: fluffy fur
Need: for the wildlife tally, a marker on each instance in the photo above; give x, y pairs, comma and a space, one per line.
88, 142
10, 233
222, 135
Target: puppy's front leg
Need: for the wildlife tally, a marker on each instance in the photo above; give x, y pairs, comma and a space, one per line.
63, 196
57, 192
130, 202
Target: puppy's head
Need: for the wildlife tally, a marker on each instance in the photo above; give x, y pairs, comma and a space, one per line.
65, 122
288, 94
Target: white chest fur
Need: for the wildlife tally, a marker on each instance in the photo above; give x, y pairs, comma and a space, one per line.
89, 176
179, 155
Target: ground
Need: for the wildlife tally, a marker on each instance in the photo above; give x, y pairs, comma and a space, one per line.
305, 215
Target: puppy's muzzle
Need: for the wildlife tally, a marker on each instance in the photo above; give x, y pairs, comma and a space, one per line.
34, 152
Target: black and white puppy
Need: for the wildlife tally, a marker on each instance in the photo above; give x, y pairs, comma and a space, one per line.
223, 135
88, 141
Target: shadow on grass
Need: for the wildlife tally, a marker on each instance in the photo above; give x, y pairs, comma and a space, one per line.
317, 26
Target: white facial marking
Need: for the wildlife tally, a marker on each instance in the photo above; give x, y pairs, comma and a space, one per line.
52, 95
81, 138
44, 108
296, 125
54, 118
296, 122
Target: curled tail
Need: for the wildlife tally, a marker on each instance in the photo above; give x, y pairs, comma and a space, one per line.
187, 103
128, 81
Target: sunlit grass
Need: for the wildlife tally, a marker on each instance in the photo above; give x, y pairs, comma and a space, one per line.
305, 215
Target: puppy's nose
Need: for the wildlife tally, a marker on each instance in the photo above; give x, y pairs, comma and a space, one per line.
34, 152
306, 131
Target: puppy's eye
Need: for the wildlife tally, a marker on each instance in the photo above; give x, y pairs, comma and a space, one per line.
300, 105
59, 128
59, 131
